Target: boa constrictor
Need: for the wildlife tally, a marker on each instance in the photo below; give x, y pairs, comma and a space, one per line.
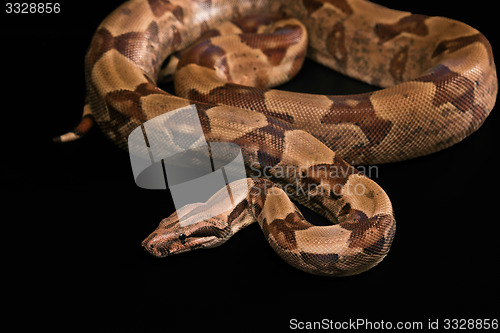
439, 83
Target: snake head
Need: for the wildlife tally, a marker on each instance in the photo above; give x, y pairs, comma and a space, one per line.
173, 236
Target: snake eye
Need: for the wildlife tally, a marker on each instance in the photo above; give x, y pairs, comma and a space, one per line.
182, 238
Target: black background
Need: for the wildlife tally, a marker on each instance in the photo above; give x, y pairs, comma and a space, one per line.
74, 219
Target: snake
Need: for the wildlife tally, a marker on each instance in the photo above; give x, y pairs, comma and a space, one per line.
437, 83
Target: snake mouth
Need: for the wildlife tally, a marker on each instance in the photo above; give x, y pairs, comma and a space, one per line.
159, 247
156, 250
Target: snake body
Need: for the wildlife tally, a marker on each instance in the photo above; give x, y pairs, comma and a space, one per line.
439, 83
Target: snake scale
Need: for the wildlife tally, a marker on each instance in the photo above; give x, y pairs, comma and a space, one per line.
438, 83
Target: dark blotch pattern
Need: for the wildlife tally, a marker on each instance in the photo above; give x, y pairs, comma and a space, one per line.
205, 54
127, 44
365, 232
251, 23
336, 44
268, 155
128, 102
160, 7
283, 230
412, 24
332, 175
322, 262
382, 246
274, 45
361, 114
452, 45
314, 5
207, 231
451, 88
237, 211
